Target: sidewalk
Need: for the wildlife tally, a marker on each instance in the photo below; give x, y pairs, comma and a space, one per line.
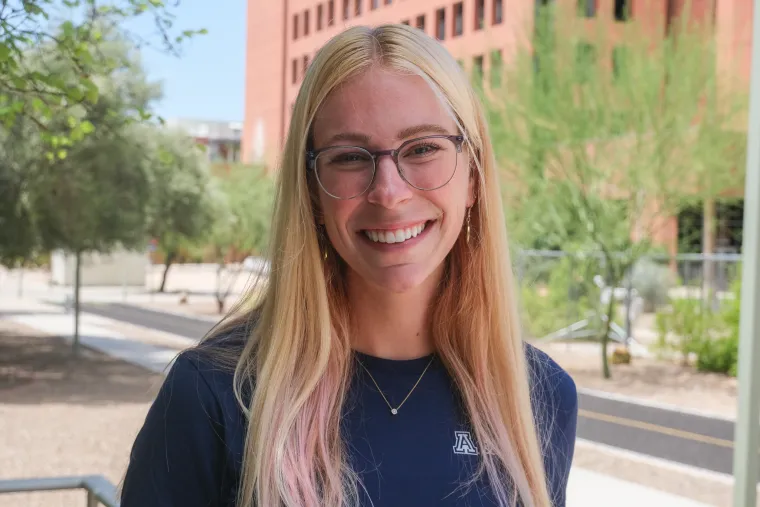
154, 351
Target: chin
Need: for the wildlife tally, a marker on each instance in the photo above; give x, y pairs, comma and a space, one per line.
401, 279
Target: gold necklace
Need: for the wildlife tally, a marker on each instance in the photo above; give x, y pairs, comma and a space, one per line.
394, 411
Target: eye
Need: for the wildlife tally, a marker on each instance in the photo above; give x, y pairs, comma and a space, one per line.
350, 157
421, 150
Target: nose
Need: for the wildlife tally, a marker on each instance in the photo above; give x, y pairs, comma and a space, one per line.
388, 189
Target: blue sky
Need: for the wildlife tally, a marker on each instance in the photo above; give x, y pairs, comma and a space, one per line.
208, 80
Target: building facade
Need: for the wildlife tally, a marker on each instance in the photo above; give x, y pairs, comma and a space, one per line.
221, 139
284, 36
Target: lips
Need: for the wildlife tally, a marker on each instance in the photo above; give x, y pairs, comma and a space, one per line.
395, 235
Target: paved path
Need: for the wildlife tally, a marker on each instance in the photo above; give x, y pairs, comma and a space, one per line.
97, 330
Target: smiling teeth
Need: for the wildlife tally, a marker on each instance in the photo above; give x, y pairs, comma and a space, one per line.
397, 236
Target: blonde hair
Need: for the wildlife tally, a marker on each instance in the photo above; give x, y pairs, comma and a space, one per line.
296, 363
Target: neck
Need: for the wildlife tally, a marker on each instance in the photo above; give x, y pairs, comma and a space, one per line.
391, 325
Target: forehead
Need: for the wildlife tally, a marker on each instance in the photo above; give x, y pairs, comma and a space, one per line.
379, 104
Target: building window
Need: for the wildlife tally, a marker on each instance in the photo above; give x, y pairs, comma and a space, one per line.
319, 17
305, 64
346, 10
388, 2
294, 69
306, 22
358, 7
331, 13
622, 10
375, 4
421, 22
497, 68
295, 26
458, 21
440, 24
498, 12
405, 22
480, 14
587, 8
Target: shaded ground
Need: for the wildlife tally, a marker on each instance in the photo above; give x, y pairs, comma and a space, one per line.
65, 416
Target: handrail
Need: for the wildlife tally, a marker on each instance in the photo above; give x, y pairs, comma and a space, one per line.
99, 489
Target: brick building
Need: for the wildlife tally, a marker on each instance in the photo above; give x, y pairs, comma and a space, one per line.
284, 35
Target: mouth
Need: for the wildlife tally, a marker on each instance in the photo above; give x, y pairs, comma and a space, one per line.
396, 236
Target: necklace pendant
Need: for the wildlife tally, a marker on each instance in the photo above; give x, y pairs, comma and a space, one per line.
394, 411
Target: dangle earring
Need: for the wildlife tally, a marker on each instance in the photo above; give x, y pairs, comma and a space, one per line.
467, 237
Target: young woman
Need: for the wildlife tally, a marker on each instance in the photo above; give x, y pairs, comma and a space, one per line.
383, 365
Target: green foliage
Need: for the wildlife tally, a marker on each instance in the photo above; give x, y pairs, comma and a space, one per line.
592, 156
181, 207
691, 327
557, 293
33, 89
243, 212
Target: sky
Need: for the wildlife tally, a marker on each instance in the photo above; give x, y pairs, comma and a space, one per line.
207, 81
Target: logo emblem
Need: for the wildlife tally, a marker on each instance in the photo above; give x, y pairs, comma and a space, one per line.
464, 443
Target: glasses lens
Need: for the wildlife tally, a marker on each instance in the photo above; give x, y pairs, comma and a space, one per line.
428, 163
345, 172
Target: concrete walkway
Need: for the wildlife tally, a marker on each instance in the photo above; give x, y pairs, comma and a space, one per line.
586, 488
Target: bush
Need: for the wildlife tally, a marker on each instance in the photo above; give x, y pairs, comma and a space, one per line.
690, 327
653, 282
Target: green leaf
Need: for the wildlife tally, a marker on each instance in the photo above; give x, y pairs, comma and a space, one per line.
5, 52
87, 127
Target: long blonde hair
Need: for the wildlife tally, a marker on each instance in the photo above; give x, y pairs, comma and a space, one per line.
292, 375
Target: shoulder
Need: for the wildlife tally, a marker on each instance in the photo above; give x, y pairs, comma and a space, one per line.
551, 386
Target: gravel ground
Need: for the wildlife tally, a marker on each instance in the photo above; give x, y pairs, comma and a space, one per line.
64, 416
649, 379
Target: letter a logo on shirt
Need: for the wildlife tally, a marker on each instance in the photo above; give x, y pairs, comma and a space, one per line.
464, 443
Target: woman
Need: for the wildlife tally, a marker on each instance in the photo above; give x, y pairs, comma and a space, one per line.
383, 365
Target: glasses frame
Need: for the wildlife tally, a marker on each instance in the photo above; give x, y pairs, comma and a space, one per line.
311, 158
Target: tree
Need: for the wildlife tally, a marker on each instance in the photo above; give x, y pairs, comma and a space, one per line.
181, 208
243, 221
597, 157
74, 29
94, 196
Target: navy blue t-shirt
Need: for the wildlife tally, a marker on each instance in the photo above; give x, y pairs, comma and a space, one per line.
189, 450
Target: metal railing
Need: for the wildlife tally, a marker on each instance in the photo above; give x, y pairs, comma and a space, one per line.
99, 490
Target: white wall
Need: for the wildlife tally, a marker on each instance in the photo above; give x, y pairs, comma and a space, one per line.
117, 268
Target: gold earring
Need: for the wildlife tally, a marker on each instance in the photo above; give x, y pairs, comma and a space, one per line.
468, 224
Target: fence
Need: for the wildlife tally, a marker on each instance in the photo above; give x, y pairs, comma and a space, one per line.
564, 294
99, 490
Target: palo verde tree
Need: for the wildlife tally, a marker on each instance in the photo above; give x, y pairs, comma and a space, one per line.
597, 141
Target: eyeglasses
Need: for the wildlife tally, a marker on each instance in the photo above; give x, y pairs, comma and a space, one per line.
425, 163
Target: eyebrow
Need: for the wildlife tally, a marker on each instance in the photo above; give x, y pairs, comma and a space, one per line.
402, 134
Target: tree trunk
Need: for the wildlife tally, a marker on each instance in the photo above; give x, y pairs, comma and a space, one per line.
77, 283
708, 247
170, 256
605, 336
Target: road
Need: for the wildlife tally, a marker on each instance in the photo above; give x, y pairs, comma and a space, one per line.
698, 441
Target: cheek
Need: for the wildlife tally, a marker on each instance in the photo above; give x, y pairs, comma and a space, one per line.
336, 216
